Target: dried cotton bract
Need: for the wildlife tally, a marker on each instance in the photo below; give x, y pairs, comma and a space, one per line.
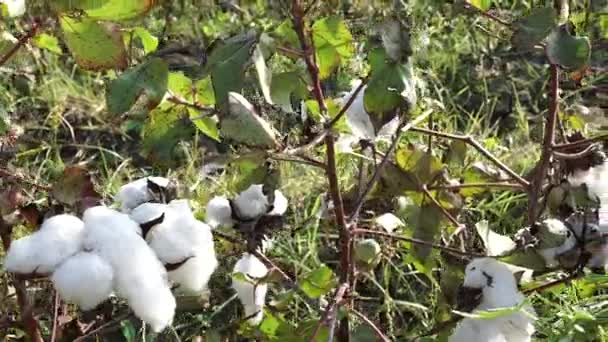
252, 296
84, 279
139, 276
41, 252
498, 291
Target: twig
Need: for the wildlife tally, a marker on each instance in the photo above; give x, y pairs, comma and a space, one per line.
543, 165
179, 101
55, 316
575, 144
104, 326
330, 311
476, 185
361, 231
22, 41
488, 15
371, 324
30, 323
471, 141
572, 156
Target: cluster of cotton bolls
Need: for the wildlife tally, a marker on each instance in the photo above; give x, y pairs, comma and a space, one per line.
138, 254
249, 212
496, 285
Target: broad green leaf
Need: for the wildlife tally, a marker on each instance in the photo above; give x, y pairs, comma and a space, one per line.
420, 164
483, 5
333, 109
227, 63
207, 125
264, 75
391, 85
286, 35
204, 92
163, 130
149, 79
319, 282
395, 181
120, 9
457, 152
180, 84
425, 222
567, 51
96, 46
282, 87
242, 124
496, 244
533, 28
48, 42
251, 168
149, 42
333, 44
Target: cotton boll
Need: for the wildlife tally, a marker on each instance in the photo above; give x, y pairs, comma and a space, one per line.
139, 276
356, 117
555, 239
252, 202
135, 193
597, 185
84, 279
218, 212
251, 296
498, 290
15, 8
58, 238
280, 204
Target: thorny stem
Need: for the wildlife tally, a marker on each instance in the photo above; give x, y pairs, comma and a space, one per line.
22, 41
30, 323
455, 251
346, 265
542, 167
471, 141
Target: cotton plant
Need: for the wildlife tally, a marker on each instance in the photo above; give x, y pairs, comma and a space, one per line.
251, 293
181, 242
496, 286
140, 191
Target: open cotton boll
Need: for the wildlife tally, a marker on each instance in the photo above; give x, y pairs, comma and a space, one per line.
252, 202
251, 296
84, 279
15, 8
218, 212
280, 204
135, 193
193, 276
58, 238
139, 276
498, 291
356, 117
596, 179
555, 239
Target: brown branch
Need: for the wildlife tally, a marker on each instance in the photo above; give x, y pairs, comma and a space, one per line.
290, 52
488, 15
371, 324
572, 156
22, 41
179, 101
455, 251
542, 168
471, 141
477, 185
347, 105
330, 311
30, 323
575, 144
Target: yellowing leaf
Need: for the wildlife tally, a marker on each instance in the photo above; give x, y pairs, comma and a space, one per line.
48, 42
333, 44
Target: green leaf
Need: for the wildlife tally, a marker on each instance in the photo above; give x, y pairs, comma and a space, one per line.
120, 9
420, 164
149, 42
242, 124
333, 44
333, 109
264, 75
207, 125
457, 152
128, 331
567, 51
483, 5
319, 282
180, 84
282, 87
533, 28
425, 221
96, 46
48, 42
149, 78
227, 63
204, 91
163, 130
286, 35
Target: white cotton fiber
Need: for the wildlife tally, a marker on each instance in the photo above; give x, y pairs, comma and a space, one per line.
58, 238
499, 291
139, 276
357, 117
280, 204
218, 212
135, 193
596, 179
252, 202
84, 279
179, 237
251, 296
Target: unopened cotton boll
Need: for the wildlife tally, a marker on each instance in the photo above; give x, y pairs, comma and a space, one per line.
498, 291
252, 296
139, 276
135, 193
218, 212
58, 238
84, 279
252, 202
